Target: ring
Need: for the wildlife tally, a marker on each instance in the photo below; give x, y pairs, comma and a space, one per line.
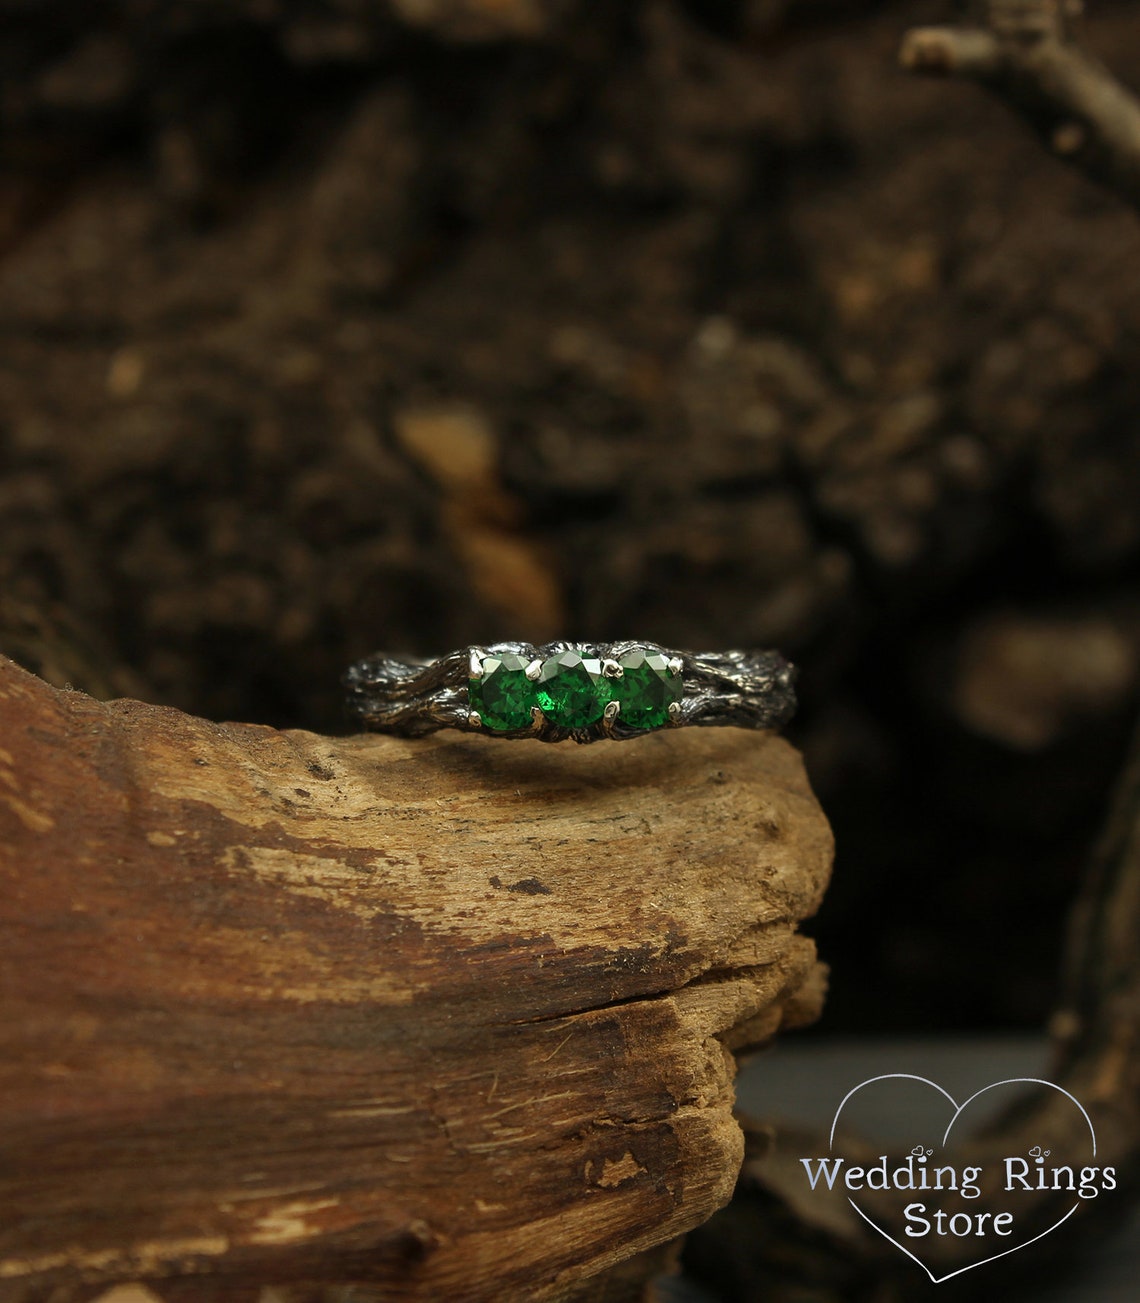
563, 690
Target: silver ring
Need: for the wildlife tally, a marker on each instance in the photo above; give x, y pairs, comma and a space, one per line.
563, 690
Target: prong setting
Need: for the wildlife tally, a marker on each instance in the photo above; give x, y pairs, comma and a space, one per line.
612, 670
475, 664
474, 719
609, 718
675, 664
674, 712
534, 669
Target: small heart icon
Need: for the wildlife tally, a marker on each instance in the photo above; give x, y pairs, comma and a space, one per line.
926, 1188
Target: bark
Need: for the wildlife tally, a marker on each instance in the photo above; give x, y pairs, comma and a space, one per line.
450, 1017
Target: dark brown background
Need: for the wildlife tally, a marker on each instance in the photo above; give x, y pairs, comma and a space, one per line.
333, 326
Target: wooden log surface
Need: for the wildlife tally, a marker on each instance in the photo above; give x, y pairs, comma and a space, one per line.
451, 1016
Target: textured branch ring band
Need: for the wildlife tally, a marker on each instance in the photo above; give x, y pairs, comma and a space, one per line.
562, 690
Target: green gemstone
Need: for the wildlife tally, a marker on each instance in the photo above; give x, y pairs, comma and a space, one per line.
503, 695
571, 690
646, 689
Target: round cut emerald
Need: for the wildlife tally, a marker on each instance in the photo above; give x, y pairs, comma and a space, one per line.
646, 689
503, 695
571, 689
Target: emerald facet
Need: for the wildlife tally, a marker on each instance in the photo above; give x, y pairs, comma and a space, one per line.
503, 695
646, 689
571, 689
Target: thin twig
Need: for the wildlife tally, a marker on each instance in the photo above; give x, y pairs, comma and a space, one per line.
1023, 52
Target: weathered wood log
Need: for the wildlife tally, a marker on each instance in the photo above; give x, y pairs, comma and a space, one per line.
450, 1016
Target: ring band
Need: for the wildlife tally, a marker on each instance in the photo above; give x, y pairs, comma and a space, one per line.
563, 690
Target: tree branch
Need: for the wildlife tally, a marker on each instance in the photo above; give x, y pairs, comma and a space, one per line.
1022, 51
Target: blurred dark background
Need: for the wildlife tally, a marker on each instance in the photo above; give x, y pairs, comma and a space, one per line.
330, 325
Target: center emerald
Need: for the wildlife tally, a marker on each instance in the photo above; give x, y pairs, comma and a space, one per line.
503, 695
571, 690
646, 689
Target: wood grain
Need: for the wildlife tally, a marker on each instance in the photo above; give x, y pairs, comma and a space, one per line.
450, 1016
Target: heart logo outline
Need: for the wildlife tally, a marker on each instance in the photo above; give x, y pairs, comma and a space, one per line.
958, 1108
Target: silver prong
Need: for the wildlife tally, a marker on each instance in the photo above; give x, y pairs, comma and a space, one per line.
612, 670
536, 717
533, 670
476, 663
674, 709
612, 710
474, 719
675, 665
